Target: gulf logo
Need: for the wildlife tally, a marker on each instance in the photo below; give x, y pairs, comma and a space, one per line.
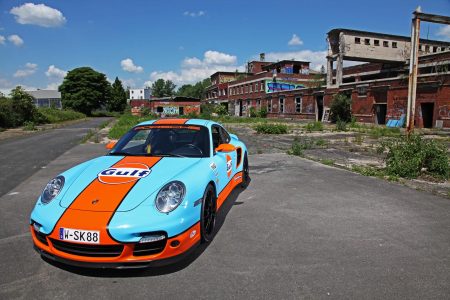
229, 165
123, 173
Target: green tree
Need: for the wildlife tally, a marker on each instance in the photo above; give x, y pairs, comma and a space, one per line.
23, 108
196, 91
341, 108
85, 90
186, 90
163, 88
118, 100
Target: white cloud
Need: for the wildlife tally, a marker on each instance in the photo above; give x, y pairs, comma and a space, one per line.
148, 83
194, 14
194, 69
219, 58
128, 83
2, 40
29, 69
128, 65
55, 72
16, 40
38, 14
295, 41
444, 31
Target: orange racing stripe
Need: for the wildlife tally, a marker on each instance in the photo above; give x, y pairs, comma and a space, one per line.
80, 215
170, 121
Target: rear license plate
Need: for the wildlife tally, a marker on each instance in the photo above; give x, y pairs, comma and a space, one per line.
79, 236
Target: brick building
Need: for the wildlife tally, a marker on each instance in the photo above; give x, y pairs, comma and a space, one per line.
378, 88
167, 106
270, 77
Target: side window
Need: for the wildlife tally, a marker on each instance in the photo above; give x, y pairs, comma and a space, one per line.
225, 136
216, 138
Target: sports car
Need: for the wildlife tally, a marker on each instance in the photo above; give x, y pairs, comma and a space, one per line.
150, 200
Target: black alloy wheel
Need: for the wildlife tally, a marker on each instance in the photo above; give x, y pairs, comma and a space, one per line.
245, 173
208, 217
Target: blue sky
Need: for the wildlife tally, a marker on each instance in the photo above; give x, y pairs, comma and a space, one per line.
185, 41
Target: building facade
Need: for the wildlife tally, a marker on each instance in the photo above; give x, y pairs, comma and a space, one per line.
139, 94
46, 98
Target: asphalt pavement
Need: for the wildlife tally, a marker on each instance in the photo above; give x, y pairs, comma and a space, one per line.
21, 157
300, 230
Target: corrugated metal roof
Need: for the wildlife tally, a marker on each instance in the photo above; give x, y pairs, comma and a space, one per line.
45, 94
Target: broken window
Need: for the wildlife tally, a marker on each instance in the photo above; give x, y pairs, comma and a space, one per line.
367, 41
256, 87
376, 42
394, 44
385, 44
434, 49
251, 88
281, 105
357, 40
269, 105
298, 104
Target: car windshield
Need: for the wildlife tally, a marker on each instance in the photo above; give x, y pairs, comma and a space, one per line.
164, 140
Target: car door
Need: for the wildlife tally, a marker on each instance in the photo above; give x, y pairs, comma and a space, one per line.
223, 161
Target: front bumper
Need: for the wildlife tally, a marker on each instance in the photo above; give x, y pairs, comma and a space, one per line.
91, 256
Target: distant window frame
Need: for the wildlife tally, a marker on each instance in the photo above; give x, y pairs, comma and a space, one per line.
298, 104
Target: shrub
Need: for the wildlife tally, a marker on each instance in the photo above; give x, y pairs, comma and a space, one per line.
408, 155
298, 146
262, 113
252, 112
271, 128
221, 110
52, 115
29, 126
341, 108
314, 126
341, 125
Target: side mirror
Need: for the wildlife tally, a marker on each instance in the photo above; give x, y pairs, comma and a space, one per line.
225, 148
111, 145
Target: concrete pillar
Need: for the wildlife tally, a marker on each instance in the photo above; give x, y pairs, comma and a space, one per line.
329, 71
339, 69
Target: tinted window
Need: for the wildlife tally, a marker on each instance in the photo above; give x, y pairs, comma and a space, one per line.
165, 140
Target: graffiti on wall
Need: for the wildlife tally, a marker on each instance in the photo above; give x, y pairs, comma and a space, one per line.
444, 112
170, 110
272, 86
398, 107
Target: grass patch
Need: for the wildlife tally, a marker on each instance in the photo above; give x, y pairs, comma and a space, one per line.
29, 126
328, 162
54, 115
125, 123
369, 171
321, 143
314, 126
298, 146
88, 136
271, 128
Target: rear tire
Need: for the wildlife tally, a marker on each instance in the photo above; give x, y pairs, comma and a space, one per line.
245, 173
208, 214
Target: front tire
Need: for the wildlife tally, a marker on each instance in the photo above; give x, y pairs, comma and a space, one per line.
208, 214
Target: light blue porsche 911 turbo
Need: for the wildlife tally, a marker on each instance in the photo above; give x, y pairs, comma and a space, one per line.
150, 200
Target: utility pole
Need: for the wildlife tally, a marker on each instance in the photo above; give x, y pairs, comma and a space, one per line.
413, 66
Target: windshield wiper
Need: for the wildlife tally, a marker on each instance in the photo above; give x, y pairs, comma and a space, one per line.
123, 153
169, 155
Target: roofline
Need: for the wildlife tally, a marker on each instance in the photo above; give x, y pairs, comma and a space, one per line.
285, 61
403, 37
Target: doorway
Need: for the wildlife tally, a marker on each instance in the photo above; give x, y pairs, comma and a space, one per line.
427, 114
380, 113
181, 110
240, 108
319, 105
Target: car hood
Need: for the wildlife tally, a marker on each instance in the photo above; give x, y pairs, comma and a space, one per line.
115, 183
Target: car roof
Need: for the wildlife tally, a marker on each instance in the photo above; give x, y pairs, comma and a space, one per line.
177, 121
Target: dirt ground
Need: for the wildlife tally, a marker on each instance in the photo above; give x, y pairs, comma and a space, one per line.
348, 150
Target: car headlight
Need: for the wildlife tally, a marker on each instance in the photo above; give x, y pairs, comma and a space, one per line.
170, 196
52, 189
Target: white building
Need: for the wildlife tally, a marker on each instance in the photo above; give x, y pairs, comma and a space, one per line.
140, 94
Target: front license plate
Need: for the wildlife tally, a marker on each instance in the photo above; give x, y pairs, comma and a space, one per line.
79, 236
